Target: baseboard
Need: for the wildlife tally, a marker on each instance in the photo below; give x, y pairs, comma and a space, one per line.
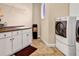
49, 45
38, 35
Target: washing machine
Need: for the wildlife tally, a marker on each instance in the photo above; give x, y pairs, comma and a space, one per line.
77, 36
65, 35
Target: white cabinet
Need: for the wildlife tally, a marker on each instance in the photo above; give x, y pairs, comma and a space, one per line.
25, 40
2, 47
27, 37
12, 42
19, 37
5, 43
8, 46
17, 40
15, 44
5, 46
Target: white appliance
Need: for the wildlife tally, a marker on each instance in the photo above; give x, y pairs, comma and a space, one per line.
65, 35
77, 36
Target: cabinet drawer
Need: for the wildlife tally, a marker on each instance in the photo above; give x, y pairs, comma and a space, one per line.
5, 35
24, 31
27, 31
30, 31
14, 33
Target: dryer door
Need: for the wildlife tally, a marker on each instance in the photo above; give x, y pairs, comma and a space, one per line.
77, 31
60, 28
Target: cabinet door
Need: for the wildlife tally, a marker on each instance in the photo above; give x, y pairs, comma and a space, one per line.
2, 47
19, 39
8, 46
27, 37
5, 43
25, 42
17, 43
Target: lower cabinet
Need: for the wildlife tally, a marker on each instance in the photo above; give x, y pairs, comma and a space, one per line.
2, 47
17, 43
25, 42
14, 42
27, 37
5, 46
8, 46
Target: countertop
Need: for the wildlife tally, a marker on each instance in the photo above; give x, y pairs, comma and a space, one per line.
13, 28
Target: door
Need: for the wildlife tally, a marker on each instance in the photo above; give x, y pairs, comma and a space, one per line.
15, 44
25, 42
2, 47
77, 31
17, 41
61, 28
27, 37
5, 43
8, 45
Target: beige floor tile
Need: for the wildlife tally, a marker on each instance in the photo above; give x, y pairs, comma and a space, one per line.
43, 50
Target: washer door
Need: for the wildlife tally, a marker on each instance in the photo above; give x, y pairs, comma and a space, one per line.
61, 29
77, 31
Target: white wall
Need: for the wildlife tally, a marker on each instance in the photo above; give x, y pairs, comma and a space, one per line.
37, 16
17, 14
53, 11
74, 9
57, 10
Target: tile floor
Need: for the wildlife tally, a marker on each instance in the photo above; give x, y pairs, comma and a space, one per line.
43, 50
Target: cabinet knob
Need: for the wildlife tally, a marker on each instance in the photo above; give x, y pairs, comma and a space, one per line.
17, 32
27, 34
10, 39
4, 34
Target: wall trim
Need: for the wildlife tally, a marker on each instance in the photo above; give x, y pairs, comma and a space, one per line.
38, 35
49, 45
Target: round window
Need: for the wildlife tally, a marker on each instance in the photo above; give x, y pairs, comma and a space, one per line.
60, 28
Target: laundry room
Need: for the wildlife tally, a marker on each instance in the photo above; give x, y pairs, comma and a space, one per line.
39, 29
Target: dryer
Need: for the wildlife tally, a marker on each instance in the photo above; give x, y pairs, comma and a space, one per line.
65, 35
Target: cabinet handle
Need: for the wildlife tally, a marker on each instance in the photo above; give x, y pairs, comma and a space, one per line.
12, 39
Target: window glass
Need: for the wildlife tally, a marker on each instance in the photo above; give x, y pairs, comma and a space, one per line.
42, 10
